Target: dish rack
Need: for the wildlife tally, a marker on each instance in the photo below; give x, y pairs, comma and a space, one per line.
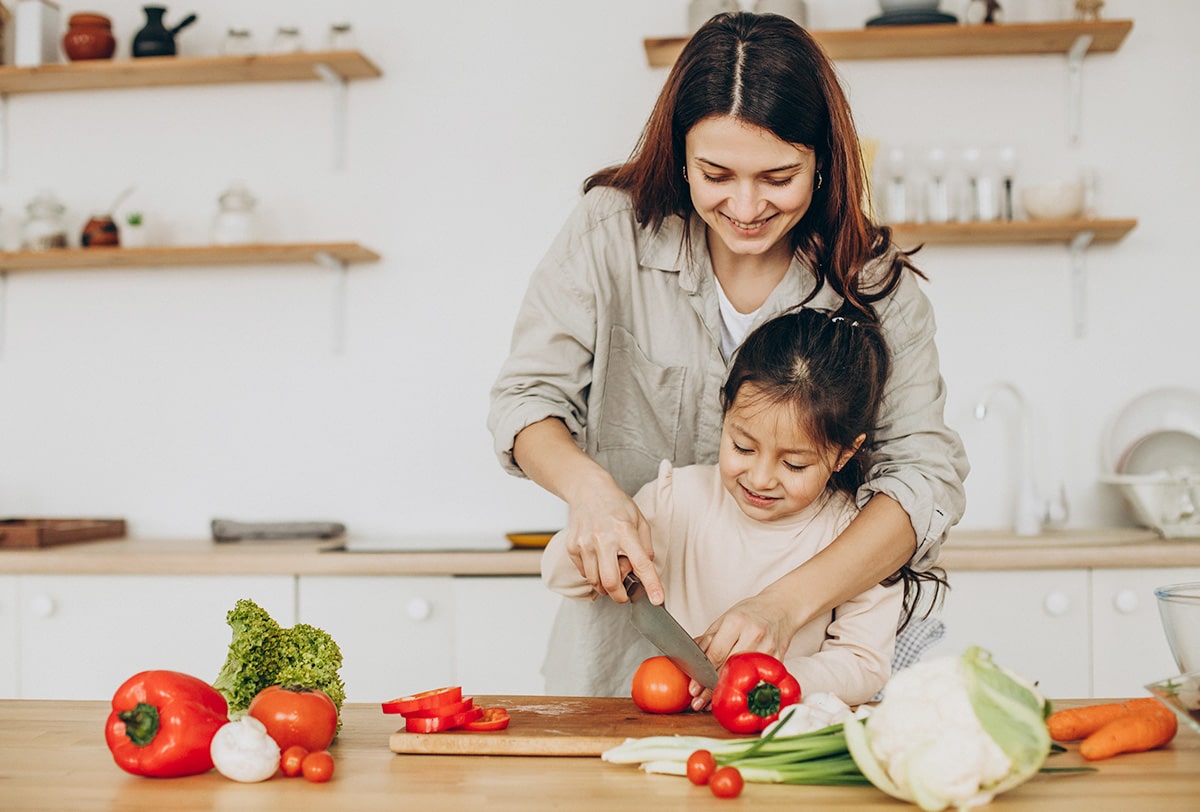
1168, 502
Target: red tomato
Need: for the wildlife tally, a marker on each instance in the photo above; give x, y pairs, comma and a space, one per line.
318, 767
660, 687
492, 719
303, 716
291, 760
700, 766
424, 700
726, 782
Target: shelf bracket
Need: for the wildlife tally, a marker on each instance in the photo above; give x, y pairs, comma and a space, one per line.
1079, 245
1079, 49
339, 86
328, 260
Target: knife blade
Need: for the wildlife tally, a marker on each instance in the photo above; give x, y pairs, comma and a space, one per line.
656, 625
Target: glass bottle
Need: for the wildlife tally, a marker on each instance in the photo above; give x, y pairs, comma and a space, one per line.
341, 37
287, 40
44, 228
235, 221
238, 42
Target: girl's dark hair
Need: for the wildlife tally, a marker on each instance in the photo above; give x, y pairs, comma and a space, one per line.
767, 71
831, 370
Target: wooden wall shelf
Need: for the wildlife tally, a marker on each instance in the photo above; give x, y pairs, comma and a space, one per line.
923, 41
1016, 231
168, 71
340, 253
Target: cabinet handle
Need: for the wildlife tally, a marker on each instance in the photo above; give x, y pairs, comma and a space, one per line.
42, 605
1126, 601
1057, 604
419, 609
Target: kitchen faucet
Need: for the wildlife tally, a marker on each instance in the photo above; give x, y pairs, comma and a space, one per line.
1033, 511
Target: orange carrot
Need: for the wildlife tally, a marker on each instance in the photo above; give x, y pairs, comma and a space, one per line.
1072, 724
1132, 733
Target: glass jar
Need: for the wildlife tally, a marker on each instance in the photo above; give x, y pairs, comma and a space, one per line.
287, 40
238, 42
341, 37
44, 228
234, 223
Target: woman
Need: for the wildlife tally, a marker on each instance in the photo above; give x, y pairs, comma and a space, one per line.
743, 198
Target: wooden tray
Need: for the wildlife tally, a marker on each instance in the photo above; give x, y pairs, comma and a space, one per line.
32, 533
558, 726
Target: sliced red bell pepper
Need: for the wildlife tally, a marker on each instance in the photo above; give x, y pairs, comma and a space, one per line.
162, 724
751, 690
436, 724
448, 709
424, 700
492, 719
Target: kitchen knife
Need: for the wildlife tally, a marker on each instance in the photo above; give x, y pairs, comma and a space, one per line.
656, 625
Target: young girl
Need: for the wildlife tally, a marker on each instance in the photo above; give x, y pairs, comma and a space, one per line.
800, 405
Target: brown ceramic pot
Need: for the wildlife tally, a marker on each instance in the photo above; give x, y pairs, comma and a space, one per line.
100, 231
89, 36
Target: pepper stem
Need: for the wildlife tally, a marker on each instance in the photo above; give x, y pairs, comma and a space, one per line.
141, 723
763, 700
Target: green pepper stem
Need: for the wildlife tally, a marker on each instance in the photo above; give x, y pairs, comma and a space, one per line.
763, 700
141, 723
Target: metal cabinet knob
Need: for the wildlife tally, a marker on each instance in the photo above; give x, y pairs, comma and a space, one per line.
42, 605
1056, 604
1126, 602
419, 608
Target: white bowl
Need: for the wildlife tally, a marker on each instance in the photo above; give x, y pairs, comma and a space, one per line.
1167, 503
1055, 200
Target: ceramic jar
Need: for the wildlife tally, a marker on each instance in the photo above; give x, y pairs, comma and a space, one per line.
100, 231
88, 36
795, 10
234, 223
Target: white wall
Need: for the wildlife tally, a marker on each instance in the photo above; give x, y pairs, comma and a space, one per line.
176, 395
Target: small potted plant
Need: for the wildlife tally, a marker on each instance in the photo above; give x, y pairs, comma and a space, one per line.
133, 232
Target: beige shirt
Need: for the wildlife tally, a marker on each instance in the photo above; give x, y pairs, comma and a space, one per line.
710, 555
619, 335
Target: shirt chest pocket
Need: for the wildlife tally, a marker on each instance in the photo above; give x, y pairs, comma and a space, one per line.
639, 412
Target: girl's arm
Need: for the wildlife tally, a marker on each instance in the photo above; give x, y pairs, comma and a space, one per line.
873, 546
603, 522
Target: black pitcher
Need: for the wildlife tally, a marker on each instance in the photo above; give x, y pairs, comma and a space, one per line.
156, 39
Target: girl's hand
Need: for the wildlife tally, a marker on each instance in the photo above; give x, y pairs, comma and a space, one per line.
606, 537
758, 623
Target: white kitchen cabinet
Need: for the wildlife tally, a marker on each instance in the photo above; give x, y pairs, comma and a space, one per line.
8, 637
1130, 648
502, 628
81, 636
1034, 622
395, 632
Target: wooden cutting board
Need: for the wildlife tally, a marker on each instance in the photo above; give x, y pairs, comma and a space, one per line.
558, 726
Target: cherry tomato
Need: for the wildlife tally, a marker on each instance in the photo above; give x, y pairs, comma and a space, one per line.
318, 767
660, 687
424, 700
294, 715
726, 782
700, 766
492, 719
291, 760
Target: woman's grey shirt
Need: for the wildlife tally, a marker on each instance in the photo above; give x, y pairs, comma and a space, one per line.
619, 335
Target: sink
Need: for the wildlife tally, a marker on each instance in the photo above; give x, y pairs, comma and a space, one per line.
420, 543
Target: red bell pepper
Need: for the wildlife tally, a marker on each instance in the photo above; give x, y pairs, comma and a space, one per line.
752, 689
493, 719
162, 724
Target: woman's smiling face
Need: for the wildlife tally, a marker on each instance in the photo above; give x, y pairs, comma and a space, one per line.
749, 186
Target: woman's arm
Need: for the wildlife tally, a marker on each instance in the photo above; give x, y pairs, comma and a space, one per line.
603, 522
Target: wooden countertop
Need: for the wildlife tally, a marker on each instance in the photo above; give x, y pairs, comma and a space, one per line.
965, 550
53, 757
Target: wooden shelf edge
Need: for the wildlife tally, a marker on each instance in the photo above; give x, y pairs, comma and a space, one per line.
104, 74
925, 41
350, 253
1014, 232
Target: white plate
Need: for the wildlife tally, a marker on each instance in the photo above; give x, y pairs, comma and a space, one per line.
1169, 450
1173, 412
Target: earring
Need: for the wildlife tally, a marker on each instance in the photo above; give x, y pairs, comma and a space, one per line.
685, 178
818, 178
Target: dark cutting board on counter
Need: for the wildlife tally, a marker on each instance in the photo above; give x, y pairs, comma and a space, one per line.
558, 726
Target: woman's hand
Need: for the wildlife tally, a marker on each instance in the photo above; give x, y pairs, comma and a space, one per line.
607, 536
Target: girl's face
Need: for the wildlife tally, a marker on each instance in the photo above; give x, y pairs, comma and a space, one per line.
749, 186
769, 463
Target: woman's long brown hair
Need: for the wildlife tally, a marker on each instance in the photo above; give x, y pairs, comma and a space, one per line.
765, 70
